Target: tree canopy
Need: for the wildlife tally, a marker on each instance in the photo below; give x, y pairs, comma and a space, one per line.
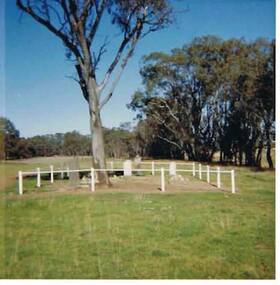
211, 95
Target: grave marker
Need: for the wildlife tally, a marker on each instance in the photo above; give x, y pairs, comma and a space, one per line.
127, 168
172, 168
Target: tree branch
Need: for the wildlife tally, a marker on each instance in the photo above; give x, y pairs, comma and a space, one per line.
102, 50
168, 108
27, 9
171, 142
115, 82
99, 11
134, 35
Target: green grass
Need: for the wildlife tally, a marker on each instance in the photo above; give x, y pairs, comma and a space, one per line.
125, 235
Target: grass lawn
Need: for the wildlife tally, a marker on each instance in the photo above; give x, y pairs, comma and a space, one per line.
136, 235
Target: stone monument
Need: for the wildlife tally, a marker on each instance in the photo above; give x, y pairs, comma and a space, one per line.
127, 168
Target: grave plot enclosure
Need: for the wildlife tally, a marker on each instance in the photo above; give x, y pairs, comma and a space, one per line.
153, 175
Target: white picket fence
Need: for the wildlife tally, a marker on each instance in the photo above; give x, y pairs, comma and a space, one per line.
128, 172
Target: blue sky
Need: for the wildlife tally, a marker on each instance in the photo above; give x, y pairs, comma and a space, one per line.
40, 99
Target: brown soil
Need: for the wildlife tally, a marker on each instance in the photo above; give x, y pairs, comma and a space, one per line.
150, 184
133, 184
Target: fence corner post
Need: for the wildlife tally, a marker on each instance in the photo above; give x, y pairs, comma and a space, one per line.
38, 178
232, 181
162, 179
51, 167
200, 173
193, 168
20, 186
92, 184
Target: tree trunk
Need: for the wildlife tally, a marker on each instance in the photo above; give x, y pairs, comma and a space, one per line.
235, 157
259, 156
97, 139
97, 145
221, 154
185, 155
240, 156
268, 155
268, 145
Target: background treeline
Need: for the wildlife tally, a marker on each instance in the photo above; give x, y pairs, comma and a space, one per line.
210, 95
119, 143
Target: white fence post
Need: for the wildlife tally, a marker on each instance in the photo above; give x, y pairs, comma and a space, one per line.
162, 179
218, 177
112, 165
62, 174
38, 178
51, 167
153, 168
200, 174
68, 172
208, 174
20, 186
232, 182
193, 169
92, 180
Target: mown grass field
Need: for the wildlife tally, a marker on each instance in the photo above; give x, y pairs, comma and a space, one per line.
136, 235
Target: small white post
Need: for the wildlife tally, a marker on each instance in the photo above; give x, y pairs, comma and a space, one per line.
153, 168
232, 181
51, 167
92, 180
208, 174
62, 174
200, 173
193, 169
38, 178
162, 179
68, 172
112, 165
218, 177
20, 186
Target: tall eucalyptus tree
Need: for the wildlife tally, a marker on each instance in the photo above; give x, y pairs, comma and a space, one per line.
76, 23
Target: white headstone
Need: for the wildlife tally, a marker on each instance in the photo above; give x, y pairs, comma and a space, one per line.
172, 168
127, 168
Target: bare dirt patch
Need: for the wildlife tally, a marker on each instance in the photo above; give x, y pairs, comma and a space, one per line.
121, 184
152, 184
147, 184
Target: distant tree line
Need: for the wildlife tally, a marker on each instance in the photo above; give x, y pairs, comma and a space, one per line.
118, 143
209, 96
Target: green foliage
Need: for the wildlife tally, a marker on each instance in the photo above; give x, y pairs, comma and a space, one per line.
210, 95
119, 143
9, 137
76, 144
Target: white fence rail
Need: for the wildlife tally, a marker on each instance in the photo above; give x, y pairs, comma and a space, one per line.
172, 171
